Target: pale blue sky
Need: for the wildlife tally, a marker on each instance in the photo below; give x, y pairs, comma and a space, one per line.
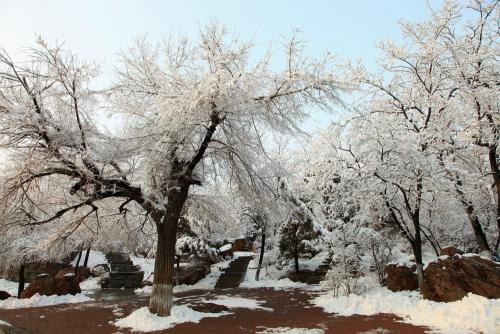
99, 29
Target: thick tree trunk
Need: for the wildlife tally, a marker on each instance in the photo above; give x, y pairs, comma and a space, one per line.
161, 299
87, 254
261, 255
477, 228
78, 261
417, 252
20, 287
495, 171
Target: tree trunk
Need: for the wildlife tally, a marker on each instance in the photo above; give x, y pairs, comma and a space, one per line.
261, 255
161, 299
296, 259
417, 252
495, 171
87, 254
78, 261
20, 287
178, 260
477, 228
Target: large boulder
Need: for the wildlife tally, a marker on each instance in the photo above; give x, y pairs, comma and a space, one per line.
66, 283
42, 284
450, 251
82, 273
451, 278
240, 245
100, 270
401, 277
193, 273
4, 295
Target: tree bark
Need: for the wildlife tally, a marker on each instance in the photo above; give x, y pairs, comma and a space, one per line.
161, 299
261, 255
296, 259
495, 171
87, 254
78, 261
20, 287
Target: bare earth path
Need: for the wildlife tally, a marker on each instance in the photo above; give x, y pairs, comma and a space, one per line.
291, 309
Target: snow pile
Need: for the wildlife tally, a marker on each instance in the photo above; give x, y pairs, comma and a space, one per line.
206, 283
288, 330
472, 313
281, 284
95, 258
5, 323
239, 302
37, 301
144, 321
91, 284
225, 248
9, 286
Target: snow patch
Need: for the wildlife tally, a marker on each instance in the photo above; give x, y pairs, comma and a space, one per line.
239, 302
471, 314
5, 323
37, 301
281, 284
225, 248
10, 286
95, 258
144, 321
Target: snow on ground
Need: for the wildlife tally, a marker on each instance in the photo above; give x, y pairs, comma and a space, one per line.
282, 284
238, 302
10, 286
206, 283
37, 301
144, 321
288, 330
95, 258
90, 285
5, 323
471, 314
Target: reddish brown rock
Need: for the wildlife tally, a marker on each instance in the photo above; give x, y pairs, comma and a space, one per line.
192, 274
4, 295
450, 251
42, 284
66, 283
81, 274
451, 278
401, 277
239, 245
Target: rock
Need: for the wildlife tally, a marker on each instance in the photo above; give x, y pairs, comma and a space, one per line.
239, 245
81, 274
4, 295
450, 251
100, 270
226, 251
451, 278
66, 283
42, 284
401, 277
193, 273
209, 308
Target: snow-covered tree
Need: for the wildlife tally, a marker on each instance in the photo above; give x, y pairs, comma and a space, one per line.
195, 114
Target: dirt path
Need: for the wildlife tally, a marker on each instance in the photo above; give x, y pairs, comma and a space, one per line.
291, 309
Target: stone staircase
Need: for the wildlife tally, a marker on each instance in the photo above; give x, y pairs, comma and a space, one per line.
123, 274
234, 274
